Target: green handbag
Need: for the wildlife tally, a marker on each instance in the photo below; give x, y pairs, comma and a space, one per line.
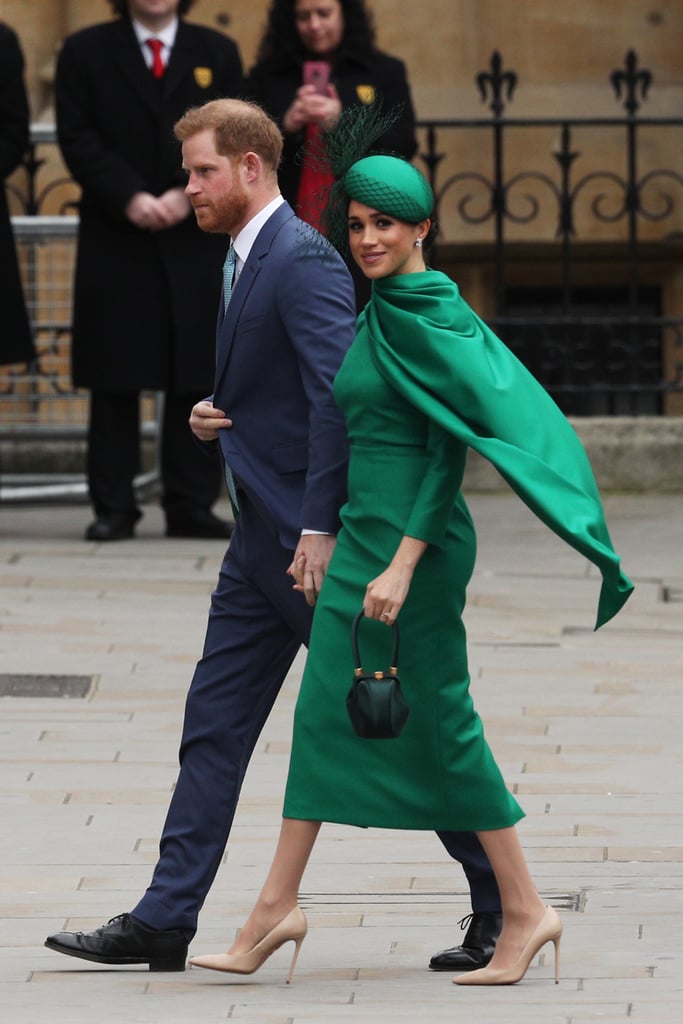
375, 702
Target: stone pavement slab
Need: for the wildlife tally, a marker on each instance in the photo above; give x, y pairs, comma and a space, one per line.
586, 727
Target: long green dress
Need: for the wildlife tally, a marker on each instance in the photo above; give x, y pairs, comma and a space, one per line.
423, 380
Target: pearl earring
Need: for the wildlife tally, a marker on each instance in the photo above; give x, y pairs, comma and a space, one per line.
418, 243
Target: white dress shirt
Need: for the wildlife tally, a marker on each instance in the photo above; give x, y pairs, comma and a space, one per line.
166, 36
243, 242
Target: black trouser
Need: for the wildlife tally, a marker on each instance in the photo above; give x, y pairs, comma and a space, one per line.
190, 478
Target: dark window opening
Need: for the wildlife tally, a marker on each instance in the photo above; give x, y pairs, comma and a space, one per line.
601, 356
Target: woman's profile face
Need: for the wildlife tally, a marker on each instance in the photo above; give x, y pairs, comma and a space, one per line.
320, 24
383, 245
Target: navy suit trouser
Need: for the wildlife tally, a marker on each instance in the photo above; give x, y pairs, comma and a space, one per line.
257, 623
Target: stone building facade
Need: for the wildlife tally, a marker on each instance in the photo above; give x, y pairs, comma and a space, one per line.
563, 57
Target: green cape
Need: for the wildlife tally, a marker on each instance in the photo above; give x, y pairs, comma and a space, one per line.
431, 346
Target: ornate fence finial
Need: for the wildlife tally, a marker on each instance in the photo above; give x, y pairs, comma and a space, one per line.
632, 81
498, 81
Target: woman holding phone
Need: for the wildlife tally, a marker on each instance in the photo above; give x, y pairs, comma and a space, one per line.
317, 58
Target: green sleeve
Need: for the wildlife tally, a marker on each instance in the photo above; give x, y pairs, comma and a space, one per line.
439, 488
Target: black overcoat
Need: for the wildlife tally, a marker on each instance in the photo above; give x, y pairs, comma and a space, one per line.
145, 302
16, 345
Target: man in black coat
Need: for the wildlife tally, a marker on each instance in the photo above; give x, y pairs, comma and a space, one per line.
16, 345
148, 281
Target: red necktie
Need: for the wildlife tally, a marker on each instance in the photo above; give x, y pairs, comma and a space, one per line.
158, 66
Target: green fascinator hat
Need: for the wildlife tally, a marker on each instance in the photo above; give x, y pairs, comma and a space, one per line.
391, 185
384, 181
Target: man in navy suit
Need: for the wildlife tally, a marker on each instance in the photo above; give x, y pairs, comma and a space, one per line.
285, 321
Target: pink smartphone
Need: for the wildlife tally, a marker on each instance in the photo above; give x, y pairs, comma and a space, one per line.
317, 74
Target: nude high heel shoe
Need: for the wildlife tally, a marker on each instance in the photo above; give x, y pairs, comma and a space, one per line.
548, 929
291, 928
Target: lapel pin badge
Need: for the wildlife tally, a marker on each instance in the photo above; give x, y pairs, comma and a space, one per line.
366, 93
203, 77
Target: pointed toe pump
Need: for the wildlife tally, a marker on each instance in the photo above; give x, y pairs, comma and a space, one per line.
548, 929
291, 928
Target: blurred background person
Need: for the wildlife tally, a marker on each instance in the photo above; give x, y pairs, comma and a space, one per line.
16, 345
148, 281
315, 59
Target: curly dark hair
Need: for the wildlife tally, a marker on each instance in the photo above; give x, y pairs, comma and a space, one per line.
120, 7
281, 43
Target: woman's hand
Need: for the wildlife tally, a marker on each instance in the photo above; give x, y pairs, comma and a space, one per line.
310, 562
176, 205
309, 107
384, 596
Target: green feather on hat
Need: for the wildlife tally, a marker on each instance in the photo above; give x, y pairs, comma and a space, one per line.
383, 181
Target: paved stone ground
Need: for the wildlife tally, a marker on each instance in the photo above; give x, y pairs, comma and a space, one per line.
587, 728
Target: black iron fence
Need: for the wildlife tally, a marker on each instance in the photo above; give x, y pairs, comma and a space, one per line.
570, 192
596, 201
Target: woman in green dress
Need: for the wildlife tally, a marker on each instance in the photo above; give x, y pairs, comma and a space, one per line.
424, 380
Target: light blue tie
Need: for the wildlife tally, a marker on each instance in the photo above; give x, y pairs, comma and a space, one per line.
228, 275
228, 278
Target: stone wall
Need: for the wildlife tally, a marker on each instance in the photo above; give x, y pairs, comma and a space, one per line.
628, 455
562, 53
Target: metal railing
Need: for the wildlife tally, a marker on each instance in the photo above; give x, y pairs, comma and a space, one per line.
39, 396
608, 349
572, 189
38, 404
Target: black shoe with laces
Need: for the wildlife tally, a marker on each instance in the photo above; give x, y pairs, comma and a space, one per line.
477, 947
114, 526
125, 940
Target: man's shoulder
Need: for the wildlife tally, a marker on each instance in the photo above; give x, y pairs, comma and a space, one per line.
313, 265
301, 239
94, 38
11, 48
206, 36
7, 34
96, 41
189, 30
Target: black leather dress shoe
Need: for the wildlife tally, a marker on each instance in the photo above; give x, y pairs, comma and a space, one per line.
112, 527
125, 940
200, 523
477, 947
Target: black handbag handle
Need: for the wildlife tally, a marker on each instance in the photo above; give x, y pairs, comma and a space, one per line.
356, 652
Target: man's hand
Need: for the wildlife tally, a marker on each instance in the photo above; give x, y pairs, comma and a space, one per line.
310, 563
206, 421
156, 213
176, 204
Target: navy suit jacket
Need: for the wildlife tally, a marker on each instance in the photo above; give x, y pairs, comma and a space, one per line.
290, 320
